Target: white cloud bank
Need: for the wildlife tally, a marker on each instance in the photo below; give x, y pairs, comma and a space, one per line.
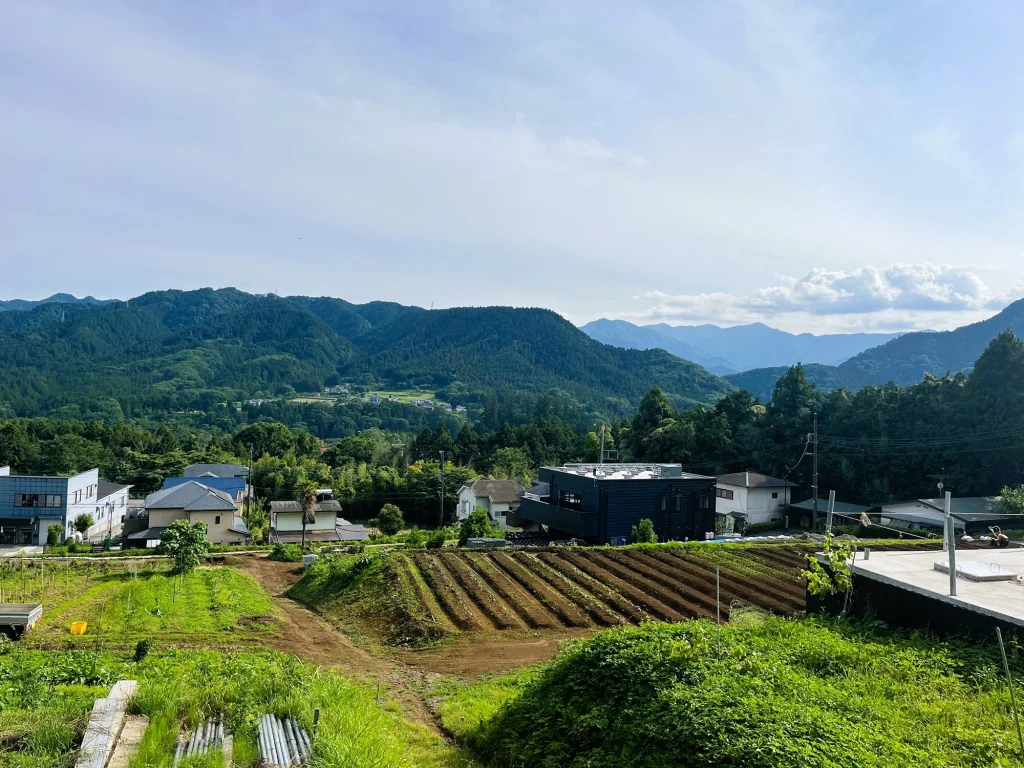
896, 297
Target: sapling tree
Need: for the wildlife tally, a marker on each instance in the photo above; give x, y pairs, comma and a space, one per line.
643, 532
186, 544
390, 520
83, 523
53, 534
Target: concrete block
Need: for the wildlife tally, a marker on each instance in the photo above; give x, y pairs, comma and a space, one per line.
129, 742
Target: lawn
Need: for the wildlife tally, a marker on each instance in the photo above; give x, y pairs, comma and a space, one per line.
123, 602
44, 697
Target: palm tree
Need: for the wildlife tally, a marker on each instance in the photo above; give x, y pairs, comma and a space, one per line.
307, 500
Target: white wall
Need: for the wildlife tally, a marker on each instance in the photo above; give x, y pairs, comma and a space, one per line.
292, 521
497, 511
85, 485
107, 516
217, 533
756, 503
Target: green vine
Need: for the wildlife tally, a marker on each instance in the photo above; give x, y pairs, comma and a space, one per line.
837, 577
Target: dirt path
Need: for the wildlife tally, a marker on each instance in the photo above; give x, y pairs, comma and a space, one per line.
310, 637
306, 634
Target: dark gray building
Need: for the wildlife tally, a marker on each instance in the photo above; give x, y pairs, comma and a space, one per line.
602, 502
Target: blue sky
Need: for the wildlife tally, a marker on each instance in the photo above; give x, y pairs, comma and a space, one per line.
816, 166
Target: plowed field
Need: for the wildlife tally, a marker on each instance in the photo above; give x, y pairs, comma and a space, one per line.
595, 588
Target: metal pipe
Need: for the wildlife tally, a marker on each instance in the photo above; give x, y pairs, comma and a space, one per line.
275, 757
261, 743
282, 749
190, 750
289, 738
309, 744
303, 757
177, 751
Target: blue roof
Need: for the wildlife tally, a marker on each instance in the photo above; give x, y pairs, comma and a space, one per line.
232, 486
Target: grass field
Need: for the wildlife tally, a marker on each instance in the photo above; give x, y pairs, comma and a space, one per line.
44, 698
404, 395
123, 602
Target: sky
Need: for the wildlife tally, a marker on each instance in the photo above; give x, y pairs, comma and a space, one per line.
823, 167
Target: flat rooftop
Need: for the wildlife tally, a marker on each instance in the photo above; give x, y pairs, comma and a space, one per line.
613, 471
915, 571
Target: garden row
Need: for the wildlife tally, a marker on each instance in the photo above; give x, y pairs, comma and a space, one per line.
594, 588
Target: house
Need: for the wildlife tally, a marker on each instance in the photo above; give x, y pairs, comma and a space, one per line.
110, 513
286, 522
753, 498
602, 502
843, 513
30, 504
215, 470
499, 497
374, 400
971, 514
460, 409
194, 502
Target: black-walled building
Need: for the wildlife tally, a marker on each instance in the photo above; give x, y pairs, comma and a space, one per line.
602, 502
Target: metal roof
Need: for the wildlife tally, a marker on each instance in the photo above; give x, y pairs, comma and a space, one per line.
840, 506
103, 490
328, 505
498, 491
754, 480
191, 497
638, 471
217, 470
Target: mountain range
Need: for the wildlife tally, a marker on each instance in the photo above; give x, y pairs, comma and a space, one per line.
737, 348
903, 360
57, 298
170, 350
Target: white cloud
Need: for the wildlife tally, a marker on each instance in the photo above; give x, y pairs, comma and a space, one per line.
897, 297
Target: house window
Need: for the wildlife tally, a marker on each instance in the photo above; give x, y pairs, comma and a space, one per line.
664, 503
775, 494
679, 503
568, 500
702, 502
722, 493
54, 500
27, 500
216, 520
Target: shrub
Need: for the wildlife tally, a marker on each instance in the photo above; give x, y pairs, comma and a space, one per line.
286, 553
390, 520
186, 544
756, 529
53, 534
142, 649
83, 523
416, 538
643, 532
437, 539
478, 525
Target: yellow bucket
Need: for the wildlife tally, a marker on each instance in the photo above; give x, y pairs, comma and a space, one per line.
78, 627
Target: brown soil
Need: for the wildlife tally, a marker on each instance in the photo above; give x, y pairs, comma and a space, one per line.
611, 598
471, 657
530, 610
551, 598
641, 595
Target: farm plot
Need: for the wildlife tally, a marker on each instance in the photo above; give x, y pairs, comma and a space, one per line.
596, 588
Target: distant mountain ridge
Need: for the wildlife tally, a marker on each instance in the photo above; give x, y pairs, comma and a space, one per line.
176, 350
904, 360
737, 348
57, 298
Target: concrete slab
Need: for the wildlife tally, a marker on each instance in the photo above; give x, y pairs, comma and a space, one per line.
915, 571
131, 738
104, 727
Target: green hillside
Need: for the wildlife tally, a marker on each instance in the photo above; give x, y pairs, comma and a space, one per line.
175, 350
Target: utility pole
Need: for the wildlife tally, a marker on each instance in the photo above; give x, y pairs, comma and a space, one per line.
440, 522
814, 514
602, 445
248, 489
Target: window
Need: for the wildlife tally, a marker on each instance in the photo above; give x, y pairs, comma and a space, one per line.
679, 503
27, 500
122, 501
702, 502
775, 494
216, 520
664, 503
54, 500
722, 493
568, 500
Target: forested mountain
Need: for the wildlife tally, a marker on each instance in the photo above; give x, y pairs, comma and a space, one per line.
57, 298
739, 348
174, 350
904, 360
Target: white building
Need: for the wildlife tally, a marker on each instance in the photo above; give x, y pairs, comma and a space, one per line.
109, 511
753, 498
286, 522
498, 497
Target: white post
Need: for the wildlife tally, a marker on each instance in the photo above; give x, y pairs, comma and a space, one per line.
946, 538
828, 515
952, 557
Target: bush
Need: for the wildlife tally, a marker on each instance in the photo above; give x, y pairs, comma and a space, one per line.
437, 539
83, 523
286, 553
756, 529
416, 538
142, 649
390, 520
477, 526
784, 694
643, 532
53, 534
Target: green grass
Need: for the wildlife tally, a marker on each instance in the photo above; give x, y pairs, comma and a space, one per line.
404, 395
783, 694
181, 687
123, 602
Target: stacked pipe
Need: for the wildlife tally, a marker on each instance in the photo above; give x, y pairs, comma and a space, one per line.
283, 742
209, 736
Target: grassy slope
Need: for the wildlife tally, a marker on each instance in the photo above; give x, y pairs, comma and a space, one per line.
787, 693
371, 592
45, 696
